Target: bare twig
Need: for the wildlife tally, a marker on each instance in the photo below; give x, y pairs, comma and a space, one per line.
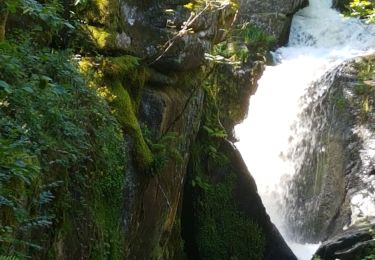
184, 31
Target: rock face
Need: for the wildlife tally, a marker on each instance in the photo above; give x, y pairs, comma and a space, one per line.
340, 4
173, 102
274, 17
249, 202
156, 199
219, 199
334, 187
146, 60
355, 243
149, 25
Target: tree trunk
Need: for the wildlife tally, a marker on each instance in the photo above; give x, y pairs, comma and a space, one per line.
3, 21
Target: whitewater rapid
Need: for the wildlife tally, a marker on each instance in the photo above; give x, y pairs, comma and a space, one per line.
320, 39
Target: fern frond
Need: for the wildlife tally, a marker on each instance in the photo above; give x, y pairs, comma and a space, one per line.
4, 257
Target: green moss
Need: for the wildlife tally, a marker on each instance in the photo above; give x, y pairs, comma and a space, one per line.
102, 38
124, 111
120, 81
225, 233
130, 72
107, 219
103, 12
118, 67
100, 23
222, 231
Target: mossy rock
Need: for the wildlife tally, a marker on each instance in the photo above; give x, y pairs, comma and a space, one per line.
124, 111
101, 12
97, 38
220, 230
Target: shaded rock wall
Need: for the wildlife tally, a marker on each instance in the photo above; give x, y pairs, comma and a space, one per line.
224, 200
157, 198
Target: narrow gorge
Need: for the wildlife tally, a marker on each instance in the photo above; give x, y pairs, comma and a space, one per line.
178, 129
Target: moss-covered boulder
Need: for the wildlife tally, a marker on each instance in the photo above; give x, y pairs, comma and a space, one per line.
223, 215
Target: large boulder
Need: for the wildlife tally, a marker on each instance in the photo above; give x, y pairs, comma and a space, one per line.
334, 187
357, 242
154, 32
223, 215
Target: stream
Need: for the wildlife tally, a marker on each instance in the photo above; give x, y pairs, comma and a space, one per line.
320, 40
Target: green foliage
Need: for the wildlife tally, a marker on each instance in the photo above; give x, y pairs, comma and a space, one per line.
21, 194
254, 37
226, 103
120, 81
246, 42
46, 11
226, 233
57, 137
362, 8
2, 257
366, 69
164, 149
223, 232
364, 89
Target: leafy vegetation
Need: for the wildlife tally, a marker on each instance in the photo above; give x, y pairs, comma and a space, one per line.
246, 42
365, 89
364, 9
222, 231
62, 152
163, 148
63, 118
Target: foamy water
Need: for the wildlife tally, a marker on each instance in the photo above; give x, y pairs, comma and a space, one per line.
320, 39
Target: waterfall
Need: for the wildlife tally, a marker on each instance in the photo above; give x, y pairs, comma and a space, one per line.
320, 40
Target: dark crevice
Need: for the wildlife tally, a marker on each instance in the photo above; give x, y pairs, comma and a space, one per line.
187, 219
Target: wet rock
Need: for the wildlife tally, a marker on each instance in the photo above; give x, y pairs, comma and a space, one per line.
357, 242
156, 200
333, 186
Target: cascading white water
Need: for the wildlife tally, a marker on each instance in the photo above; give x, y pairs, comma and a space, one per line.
320, 39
